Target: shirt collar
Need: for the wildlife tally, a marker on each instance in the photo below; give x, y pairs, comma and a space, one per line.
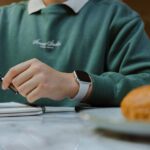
36, 5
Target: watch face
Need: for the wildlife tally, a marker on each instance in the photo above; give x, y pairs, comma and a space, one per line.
83, 76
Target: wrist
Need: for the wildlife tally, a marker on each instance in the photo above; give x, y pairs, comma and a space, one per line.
84, 81
72, 87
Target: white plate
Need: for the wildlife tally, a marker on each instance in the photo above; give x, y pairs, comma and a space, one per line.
113, 120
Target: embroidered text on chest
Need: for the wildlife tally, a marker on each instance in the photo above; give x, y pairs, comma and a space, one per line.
47, 45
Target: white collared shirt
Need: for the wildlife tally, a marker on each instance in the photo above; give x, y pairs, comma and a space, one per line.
36, 5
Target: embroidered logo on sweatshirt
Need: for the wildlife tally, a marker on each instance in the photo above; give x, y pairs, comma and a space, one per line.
47, 45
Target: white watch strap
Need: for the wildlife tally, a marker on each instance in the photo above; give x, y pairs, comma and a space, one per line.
83, 89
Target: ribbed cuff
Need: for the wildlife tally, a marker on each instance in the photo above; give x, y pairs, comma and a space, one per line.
102, 92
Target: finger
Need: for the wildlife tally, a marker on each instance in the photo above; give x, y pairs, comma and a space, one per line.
22, 78
13, 72
28, 87
34, 95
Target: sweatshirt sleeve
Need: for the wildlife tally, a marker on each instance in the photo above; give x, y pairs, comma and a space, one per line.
127, 61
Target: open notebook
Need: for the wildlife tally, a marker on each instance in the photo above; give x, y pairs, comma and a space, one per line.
17, 109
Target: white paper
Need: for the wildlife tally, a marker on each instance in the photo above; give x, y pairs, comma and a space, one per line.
17, 109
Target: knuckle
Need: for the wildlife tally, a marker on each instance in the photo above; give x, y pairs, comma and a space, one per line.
42, 76
42, 86
36, 68
34, 60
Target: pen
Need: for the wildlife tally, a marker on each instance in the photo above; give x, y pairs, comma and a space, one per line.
83, 106
11, 87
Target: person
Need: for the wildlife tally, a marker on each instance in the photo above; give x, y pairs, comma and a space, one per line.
61, 53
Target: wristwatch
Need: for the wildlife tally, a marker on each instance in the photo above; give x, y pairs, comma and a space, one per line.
84, 81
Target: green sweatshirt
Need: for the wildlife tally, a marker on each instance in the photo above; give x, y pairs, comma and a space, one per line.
106, 39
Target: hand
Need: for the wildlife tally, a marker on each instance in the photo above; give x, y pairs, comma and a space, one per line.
34, 80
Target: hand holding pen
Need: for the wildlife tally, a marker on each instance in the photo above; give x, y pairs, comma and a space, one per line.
78, 108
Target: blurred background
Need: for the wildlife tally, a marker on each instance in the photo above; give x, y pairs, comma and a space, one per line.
141, 6
5, 2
